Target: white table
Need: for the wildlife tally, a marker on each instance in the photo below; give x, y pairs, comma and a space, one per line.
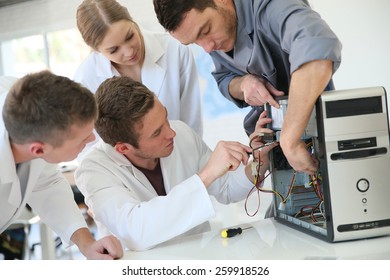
267, 240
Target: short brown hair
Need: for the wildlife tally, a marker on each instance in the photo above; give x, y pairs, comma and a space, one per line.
43, 106
95, 16
170, 13
122, 104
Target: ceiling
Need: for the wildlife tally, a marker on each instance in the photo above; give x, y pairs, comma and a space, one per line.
4, 3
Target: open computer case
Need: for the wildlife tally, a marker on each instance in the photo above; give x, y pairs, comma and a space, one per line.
349, 197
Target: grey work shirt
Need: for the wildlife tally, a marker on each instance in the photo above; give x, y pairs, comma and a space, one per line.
274, 38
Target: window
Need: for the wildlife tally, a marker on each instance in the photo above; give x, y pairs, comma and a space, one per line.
66, 51
60, 51
24, 55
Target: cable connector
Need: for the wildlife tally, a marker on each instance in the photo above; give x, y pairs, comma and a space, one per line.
254, 166
267, 137
282, 206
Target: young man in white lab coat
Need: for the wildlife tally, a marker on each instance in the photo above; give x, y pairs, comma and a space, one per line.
47, 119
151, 179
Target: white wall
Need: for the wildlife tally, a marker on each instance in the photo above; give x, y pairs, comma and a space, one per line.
47, 15
361, 25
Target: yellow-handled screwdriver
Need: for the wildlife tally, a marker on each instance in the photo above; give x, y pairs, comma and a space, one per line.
227, 233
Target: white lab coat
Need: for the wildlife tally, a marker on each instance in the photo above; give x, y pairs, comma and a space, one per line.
122, 199
169, 71
47, 192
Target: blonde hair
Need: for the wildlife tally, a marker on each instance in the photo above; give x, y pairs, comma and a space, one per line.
95, 16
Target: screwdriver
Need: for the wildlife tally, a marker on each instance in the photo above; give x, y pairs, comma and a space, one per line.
227, 233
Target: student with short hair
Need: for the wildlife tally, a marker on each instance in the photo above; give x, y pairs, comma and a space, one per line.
149, 179
47, 119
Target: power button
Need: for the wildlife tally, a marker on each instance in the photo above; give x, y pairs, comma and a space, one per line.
362, 185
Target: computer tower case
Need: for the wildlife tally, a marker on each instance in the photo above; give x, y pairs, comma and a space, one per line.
349, 197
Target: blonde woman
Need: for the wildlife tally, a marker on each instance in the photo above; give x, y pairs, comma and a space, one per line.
122, 48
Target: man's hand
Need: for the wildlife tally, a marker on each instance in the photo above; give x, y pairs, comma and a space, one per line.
300, 159
227, 156
256, 140
257, 91
107, 248
261, 125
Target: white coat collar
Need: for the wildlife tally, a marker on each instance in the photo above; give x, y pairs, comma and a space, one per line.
122, 161
110, 151
8, 170
116, 157
103, 66
153, 74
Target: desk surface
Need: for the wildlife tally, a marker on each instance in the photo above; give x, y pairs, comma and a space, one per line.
269, 240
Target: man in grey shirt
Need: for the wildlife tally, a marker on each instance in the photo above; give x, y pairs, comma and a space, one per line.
262, 49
